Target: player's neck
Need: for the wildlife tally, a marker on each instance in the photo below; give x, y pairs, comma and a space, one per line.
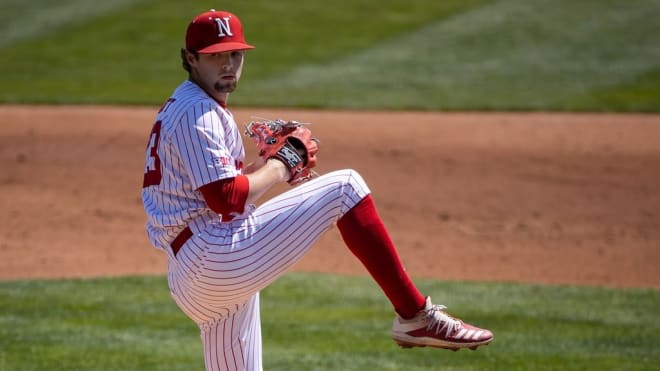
220, 98
223, 101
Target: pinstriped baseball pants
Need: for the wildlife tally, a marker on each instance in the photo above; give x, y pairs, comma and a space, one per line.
218, 273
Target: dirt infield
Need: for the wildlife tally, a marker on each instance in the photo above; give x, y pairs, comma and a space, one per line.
549, 198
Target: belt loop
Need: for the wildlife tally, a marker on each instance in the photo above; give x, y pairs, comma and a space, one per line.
180, 239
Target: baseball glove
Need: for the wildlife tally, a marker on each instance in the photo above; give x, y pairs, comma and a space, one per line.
288, 141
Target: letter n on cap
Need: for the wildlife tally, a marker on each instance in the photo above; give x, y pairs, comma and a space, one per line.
223, 27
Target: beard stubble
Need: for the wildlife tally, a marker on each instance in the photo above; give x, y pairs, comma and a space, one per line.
224, 88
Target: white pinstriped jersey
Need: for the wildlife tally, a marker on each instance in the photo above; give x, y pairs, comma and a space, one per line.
194, 141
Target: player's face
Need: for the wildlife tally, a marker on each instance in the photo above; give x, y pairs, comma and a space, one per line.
218, 73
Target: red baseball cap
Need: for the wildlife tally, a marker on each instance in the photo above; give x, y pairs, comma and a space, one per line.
215, 32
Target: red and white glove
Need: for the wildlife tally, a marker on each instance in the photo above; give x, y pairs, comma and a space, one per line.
288, 141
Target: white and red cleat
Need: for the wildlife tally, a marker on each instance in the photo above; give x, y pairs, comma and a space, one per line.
432, 327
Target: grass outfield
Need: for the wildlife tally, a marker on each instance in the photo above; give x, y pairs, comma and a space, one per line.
326, 322
589, 55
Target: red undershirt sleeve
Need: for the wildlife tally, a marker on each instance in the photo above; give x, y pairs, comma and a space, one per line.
227, 196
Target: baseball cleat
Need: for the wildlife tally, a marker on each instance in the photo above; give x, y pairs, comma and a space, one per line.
433, 327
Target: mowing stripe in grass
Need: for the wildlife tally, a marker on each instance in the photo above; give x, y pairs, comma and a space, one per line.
505, 55
359, 54
42, 18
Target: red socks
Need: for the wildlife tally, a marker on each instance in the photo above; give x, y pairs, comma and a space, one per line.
366, 236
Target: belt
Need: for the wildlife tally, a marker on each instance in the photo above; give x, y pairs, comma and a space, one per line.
180, 239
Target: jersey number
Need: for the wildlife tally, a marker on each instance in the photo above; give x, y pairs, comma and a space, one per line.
152, 174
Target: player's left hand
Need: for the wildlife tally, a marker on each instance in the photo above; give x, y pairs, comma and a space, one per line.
288, 141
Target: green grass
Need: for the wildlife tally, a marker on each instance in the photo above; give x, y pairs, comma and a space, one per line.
591, 55
326, 322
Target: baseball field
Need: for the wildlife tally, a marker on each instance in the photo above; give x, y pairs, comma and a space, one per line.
513, 149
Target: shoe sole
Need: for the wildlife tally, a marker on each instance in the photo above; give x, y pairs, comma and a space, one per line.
454, 347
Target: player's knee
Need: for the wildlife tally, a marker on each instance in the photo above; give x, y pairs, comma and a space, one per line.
354, 177
346, 176
353, 180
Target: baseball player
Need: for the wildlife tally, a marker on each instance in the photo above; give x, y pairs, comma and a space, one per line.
199, 196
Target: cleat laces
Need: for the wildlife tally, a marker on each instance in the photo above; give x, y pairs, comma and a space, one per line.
439, 320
